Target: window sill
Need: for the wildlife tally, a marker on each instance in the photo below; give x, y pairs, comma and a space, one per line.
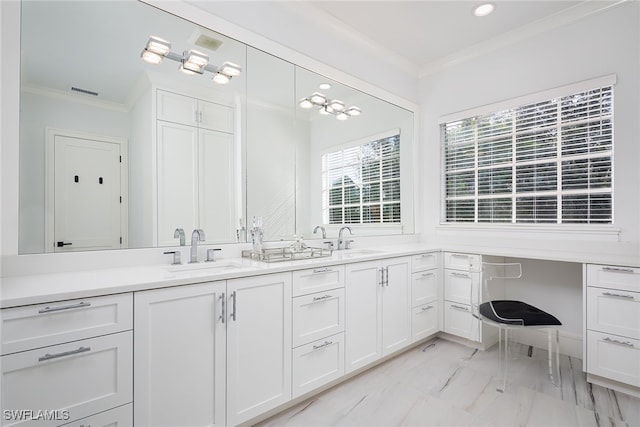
560, 231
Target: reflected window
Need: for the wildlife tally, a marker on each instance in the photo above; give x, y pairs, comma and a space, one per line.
548, 161
361, 183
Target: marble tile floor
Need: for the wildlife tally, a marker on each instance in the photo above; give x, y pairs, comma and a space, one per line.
442, 383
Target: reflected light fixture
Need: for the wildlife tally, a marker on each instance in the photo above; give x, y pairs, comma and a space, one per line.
329, 106
484, 9
191, 62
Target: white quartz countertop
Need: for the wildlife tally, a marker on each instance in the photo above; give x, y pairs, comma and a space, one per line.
41, 288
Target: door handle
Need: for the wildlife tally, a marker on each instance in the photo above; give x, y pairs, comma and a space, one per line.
61, 244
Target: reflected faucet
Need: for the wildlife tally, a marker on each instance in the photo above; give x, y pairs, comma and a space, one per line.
341, 242
196, 236
179, 233
321, 228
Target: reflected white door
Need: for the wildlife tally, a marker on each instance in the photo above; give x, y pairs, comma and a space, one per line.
87, 194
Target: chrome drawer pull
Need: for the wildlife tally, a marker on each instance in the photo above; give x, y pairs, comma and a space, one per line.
624, 343
612, 294
326, 343
64, 307
321, 270
325, 297
427, 274
463, 275
426, 256
223, 306
429, 307
459, 307
460, 256
617, 270
66, 353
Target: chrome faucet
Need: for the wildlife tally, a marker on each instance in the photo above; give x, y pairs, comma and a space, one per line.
341, 242
321, 228
179, 233
196, 236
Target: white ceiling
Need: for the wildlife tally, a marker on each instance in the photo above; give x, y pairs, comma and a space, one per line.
424, 32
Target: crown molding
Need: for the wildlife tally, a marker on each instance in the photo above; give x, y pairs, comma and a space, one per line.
562, 18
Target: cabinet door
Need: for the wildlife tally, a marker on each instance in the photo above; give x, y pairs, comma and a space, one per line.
258, 345
215, 116
363, 314
176, 108
217, 184
396, 305
177, 180
180, 356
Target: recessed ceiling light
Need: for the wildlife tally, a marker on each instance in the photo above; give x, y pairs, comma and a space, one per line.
324, 86
484, 9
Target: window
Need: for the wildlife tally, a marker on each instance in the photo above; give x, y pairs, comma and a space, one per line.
361, 184
548, 161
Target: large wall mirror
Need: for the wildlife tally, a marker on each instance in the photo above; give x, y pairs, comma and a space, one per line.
116, 152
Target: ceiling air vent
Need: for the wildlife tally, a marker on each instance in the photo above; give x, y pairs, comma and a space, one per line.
206, 41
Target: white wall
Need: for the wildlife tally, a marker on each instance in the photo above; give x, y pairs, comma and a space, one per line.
597, 45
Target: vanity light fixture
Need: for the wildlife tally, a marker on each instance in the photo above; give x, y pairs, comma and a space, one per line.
191, 62
329, 106
484, 9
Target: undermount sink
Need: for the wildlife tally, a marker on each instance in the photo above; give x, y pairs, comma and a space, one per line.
347, 253
213, 266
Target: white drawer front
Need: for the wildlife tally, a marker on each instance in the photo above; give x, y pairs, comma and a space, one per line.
613, 311
317, 363
424, 321
460, 261
317, 279
459, 321
424, 287
604, 276
461, 286
317, 315
82, 377
33, 326
425, 261
121, 416
613, 357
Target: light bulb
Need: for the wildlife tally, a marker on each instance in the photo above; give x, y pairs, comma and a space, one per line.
221, 79
151, 57
305, 103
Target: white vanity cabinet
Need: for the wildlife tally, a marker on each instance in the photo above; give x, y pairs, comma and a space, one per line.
378, 310
318, 327
180, 356
196, 168
425, 295
73, 359
612, 312
258, 345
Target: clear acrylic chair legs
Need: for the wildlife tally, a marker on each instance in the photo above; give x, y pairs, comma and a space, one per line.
553, 362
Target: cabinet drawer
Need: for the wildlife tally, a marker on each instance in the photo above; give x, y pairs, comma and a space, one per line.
613, 311
425, 261
82, 377
424, 321
459, 321
460, 261
613, 357
317, 363
317, 279
461, 286
424, 287
317, 315
121, 416
33, 326
604, 276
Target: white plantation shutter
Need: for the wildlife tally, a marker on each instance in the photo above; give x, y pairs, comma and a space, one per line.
361, 184
546, 161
